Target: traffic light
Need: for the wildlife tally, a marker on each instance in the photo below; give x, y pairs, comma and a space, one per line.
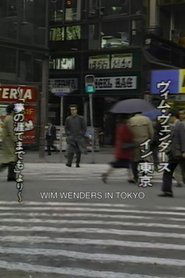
90, 84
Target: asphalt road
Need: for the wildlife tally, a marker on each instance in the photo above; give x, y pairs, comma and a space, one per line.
71, 224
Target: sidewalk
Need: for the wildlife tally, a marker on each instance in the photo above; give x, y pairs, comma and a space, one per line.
105, 155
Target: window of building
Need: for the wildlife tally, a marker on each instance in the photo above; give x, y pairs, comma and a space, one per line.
25, 66
62, 63
115, 34
33, 22
72, 10
139, 7
8, 19
114, 7
56, 10
56, 34
8, 60
93, 8
137, 32
73, 32
94, 36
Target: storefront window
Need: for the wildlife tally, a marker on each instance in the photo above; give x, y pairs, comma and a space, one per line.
72, 10
115, 34
62, 63
114, 7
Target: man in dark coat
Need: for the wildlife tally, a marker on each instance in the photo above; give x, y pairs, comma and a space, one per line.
8, 156
50, 137
176, 154
75, 129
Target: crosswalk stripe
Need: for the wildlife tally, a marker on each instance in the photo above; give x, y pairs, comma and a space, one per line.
91, 231
71, 204
92, 256
97, 242
85, 234
71, 271
93, 222
32, 214
63, 209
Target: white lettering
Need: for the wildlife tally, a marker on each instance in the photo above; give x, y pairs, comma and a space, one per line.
16, 93
13, 94
5, 93
28, 94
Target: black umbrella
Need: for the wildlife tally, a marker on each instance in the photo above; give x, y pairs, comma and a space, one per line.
133, 105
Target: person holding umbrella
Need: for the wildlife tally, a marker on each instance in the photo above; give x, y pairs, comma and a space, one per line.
142, 129
140, 125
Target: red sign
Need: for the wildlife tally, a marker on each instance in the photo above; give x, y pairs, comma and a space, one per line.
15, 94
30, 116
12, 93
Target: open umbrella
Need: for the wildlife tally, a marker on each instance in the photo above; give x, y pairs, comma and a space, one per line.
153, 114
133, 105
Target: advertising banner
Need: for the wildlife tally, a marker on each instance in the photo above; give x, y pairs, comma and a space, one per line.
175, 79
12, 94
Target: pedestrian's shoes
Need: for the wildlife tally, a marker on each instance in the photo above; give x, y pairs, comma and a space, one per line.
166, 194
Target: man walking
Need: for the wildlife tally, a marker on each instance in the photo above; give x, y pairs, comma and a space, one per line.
142, 128
75, 129
176, 154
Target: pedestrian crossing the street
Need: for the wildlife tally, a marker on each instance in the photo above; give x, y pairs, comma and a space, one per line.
59, 172
91, 239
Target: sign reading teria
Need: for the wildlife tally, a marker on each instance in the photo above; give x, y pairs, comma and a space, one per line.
12, 93
116, 83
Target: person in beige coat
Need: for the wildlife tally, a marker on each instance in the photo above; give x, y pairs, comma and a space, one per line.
142, 128
7, 154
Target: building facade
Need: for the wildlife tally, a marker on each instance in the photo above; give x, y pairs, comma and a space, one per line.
24, 52
118, 41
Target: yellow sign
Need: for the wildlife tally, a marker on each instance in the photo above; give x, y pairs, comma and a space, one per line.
182, 81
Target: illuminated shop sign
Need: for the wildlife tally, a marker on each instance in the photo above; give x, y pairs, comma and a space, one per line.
116, 83
114, 61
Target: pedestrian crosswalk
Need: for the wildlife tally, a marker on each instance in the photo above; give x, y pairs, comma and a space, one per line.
91, 239
59, 172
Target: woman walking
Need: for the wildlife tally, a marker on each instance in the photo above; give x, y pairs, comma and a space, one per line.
123, 147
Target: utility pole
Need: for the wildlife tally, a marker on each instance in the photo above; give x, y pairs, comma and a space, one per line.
44, 90
90, 90
43, 107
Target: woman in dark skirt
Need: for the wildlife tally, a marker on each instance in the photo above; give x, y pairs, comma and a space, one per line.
123, 147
